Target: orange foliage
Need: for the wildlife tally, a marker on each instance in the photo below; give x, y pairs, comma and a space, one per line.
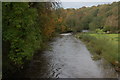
60, 19
49, 28
63, 28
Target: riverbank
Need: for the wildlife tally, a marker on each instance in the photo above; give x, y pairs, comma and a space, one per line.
68, 58
103, 46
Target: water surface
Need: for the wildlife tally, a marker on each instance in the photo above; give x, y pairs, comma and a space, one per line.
68, 58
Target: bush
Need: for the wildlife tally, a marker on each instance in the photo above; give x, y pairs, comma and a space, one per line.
100, 31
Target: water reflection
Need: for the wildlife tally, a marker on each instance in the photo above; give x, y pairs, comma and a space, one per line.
69, 58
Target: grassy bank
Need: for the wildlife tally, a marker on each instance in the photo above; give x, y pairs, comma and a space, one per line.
103, 45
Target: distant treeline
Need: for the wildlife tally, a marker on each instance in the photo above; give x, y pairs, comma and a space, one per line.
103, 17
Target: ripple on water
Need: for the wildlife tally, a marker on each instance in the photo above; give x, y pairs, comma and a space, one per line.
69, 59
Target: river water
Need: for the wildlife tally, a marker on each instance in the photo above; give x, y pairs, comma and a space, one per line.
68, 58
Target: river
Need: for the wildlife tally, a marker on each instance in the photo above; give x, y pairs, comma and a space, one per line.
68, 58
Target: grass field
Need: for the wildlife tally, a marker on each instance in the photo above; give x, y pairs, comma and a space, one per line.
103, 45
111, 37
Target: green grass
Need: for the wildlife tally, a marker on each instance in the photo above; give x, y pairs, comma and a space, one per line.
103, 45
111, 37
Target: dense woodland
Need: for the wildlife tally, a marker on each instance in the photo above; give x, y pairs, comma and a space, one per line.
104, 17
28, 27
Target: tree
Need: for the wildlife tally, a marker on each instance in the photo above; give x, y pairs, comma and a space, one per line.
26, 28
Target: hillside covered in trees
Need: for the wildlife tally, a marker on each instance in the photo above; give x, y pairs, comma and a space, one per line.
103, 17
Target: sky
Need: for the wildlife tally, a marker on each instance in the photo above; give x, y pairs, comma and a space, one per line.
88, 0
81, 3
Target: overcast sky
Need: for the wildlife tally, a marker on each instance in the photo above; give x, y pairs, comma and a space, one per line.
88, 0
81, 3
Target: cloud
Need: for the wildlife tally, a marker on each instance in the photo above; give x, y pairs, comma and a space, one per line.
89, 0
81, 4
